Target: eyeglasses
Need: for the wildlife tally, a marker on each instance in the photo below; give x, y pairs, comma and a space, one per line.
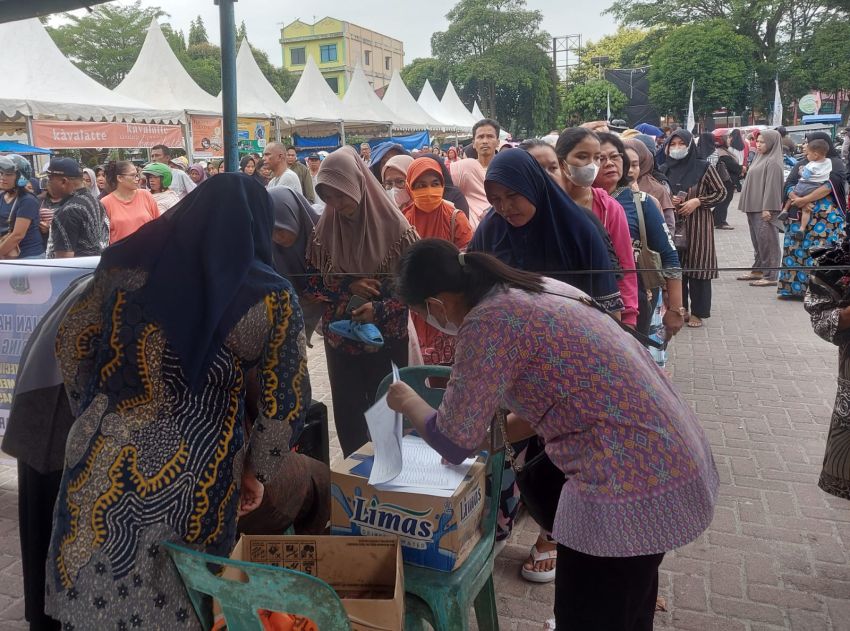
399, 183
135, 176
611, 157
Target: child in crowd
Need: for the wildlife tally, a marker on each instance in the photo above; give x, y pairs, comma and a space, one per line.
813, 175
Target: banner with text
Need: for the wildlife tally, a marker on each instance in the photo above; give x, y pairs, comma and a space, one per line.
88, 135
207, 137
27, 291
253, 134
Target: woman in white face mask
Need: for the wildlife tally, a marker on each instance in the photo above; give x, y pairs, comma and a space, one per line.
581, 159
394, 179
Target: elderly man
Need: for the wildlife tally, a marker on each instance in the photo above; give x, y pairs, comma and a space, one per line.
366, 152
302, 172
275, 159
79, 226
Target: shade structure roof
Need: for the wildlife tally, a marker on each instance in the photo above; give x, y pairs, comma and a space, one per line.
313, 100
476, 112
429, 102
158, 78
255, 96
48, 85
361, 103
399, 99
455, 109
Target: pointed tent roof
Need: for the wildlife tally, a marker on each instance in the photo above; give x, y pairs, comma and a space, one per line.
455, 108
160, 79
313, 99
361, 103
62, 90
255, 96
398, 98
429, 102
476, 112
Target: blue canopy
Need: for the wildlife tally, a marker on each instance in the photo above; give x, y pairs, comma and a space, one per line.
11, 146
414, 141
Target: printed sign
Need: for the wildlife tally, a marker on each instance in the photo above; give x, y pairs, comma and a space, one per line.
88, 135
207, 137
253, 134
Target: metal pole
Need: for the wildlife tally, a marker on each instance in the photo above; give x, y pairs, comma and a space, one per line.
227, 23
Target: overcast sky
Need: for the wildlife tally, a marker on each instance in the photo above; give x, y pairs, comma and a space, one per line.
411, 21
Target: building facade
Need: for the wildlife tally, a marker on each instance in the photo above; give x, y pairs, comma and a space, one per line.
338, 47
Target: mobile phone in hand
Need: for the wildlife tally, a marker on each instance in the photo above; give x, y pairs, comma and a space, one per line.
355, 303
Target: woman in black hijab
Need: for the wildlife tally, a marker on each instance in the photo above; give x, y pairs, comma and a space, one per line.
156, 356
696, 187
826, 226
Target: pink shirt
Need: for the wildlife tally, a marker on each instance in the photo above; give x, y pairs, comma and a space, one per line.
613, 217
127, 217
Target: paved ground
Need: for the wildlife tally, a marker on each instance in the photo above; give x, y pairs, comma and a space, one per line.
777, 555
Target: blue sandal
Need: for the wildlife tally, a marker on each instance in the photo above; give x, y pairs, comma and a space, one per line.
364, 333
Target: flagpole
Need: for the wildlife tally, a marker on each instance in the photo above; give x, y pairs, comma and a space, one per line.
777, 105
691, 121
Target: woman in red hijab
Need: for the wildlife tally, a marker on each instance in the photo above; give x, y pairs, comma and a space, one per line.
433, 216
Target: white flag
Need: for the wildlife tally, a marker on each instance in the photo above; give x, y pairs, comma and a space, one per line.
777, 107
609, 105
691, 123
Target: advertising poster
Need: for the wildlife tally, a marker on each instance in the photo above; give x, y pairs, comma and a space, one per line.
253, 135
86, 135
27, 291
207, 137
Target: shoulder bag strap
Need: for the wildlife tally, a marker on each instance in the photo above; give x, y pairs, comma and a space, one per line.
641, 225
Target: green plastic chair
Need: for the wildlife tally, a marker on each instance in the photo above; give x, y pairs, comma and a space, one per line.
443, 599
268, 587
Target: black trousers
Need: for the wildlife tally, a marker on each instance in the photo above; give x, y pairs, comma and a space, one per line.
721, 211
37, 494
696, 296
354, 383
605, 593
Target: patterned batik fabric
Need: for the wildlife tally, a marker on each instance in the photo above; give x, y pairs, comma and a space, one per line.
823, 308
150, 460
825, 229
640, 475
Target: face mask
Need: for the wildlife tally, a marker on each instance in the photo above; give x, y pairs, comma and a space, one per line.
678, 153
428, 199
400, 197
583, 176
449, 328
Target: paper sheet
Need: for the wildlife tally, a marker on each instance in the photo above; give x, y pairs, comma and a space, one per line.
385, 429
423, 472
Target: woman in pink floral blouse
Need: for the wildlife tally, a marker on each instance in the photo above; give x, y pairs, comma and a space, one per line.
641, 479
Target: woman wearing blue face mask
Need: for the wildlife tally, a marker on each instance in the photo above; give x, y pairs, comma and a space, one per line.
696, 187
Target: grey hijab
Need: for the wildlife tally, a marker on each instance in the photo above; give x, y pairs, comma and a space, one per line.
763, 186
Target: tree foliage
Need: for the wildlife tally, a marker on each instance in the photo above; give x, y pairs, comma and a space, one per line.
198, 32
825, 63
718, 60
105, 42
623, 49
495, 53
589, 101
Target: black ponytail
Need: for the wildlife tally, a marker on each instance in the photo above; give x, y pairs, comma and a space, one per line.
432, 266
113, 169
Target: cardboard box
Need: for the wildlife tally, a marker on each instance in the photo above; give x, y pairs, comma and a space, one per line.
435, 532
366, 572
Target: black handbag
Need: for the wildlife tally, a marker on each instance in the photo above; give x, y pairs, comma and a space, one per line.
539, 482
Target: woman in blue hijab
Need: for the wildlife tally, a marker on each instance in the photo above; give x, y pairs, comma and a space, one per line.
158, 357
535, 226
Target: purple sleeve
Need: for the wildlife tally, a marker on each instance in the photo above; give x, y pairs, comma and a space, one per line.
446, 448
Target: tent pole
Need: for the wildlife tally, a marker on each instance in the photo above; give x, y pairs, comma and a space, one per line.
342, 132
227, 24
187, 134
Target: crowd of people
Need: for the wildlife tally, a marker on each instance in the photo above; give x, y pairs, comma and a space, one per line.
550, 275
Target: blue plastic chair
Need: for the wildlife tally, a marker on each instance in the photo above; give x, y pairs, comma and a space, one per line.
443, 599
268, 587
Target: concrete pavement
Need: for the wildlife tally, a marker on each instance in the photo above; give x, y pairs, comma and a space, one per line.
777, 555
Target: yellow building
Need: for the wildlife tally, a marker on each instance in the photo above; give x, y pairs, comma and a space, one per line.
337, 47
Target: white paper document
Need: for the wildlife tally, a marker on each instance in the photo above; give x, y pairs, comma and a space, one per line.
385, 430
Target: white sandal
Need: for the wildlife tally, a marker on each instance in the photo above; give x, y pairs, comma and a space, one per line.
537, 556
549, 625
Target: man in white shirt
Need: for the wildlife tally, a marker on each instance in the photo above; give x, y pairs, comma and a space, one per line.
282, 175
181, 183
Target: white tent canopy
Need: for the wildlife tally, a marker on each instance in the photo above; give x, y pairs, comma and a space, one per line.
455, 109
160, 79
476, 112
429, 102
361, 103
398, 98
48, 85
313, 100
255, 96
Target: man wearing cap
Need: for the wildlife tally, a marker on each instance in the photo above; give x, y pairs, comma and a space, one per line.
314, 161
79, 226
366, 152
181, 183
307, 187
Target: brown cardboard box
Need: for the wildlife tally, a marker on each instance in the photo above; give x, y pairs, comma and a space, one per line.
366, 572
435, 532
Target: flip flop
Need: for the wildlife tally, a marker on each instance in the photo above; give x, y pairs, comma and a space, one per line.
763, 282
695, 324
358, 332
536, 557
750, 277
